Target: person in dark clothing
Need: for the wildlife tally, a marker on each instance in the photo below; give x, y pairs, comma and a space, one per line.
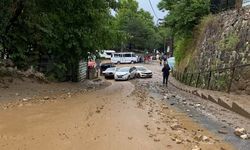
160, 61
164, 58
165, 73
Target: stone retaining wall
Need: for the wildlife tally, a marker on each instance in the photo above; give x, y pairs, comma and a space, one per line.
225, 43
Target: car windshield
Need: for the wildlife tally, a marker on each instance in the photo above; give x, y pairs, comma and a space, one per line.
126, 69
141, 68
110, 69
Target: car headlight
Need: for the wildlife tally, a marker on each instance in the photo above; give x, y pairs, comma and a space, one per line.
126, 74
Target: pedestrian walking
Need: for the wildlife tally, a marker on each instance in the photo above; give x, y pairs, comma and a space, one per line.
164, 58
98, 66
160, 61
165, 73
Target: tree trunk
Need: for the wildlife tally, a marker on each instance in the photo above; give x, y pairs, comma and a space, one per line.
238, 4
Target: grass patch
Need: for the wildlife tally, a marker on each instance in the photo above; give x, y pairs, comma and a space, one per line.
229, 42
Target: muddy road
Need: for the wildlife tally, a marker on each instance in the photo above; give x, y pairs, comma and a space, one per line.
125, 115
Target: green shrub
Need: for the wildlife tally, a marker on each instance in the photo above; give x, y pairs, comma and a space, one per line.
205, 22
229, 42
181, 46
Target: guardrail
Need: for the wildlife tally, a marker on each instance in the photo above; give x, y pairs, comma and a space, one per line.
220, 79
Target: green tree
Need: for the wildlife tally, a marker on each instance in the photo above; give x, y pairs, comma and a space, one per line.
183, 16
137, 25
65, 31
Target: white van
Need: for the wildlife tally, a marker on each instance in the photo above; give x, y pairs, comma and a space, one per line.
125, 57
106, 53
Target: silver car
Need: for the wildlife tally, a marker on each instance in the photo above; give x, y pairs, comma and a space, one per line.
143, 72
125, 73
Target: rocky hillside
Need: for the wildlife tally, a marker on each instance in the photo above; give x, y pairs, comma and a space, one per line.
223, 42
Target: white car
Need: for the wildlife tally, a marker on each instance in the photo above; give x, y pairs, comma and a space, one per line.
143, 72
125, 73
106, 53
125, 57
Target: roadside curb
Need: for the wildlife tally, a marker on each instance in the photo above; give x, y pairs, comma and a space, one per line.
232, 106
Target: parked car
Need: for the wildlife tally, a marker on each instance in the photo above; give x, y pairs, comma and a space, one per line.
125, 73
106, 53
104, 66
110, 72
125, 57
143, 72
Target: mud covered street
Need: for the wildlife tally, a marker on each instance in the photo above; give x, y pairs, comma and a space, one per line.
137, 114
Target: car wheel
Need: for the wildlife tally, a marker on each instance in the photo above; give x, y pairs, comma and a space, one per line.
128, 78
132, 62
118, 62
138, 75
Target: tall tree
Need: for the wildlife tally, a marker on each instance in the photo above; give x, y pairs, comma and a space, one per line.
137, 25
183, 16
65, 31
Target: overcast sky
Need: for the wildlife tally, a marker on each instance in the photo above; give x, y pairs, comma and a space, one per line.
146, 6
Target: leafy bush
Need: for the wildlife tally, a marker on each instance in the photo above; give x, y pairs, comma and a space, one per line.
205, 22
183, 16
229, 42
65, 31
181, 47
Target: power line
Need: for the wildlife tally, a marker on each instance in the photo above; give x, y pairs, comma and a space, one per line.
153, 9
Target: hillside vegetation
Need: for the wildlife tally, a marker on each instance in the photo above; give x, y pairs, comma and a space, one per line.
53, 36
205, 41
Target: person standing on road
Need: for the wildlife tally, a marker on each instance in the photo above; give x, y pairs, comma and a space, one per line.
164, 58
160, 59
165, 73
98, 66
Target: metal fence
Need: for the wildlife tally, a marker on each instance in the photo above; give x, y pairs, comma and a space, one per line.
82, 70
214, 79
